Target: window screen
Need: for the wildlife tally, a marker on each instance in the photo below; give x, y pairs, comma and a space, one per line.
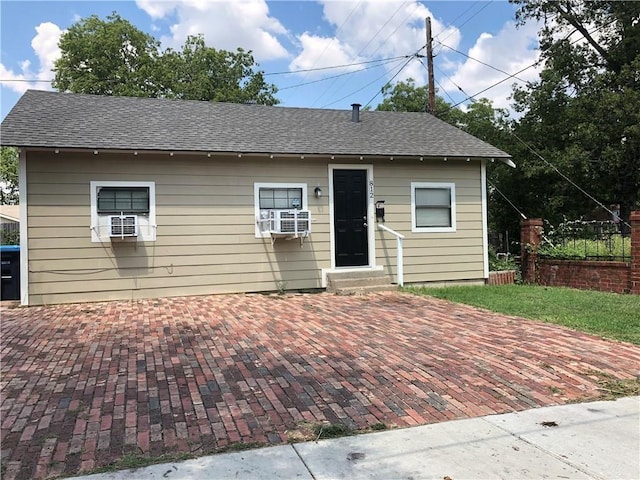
128, 200
280, 198
433, 207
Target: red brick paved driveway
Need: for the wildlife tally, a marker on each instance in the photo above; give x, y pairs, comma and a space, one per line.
82, 385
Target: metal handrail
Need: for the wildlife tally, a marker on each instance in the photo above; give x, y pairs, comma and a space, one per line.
399, 239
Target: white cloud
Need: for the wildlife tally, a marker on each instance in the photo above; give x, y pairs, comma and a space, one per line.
45, 47
510, 50
225, 25
157, 9
370, 30
45, 44
319, 52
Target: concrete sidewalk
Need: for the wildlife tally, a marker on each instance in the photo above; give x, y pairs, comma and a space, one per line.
598, 440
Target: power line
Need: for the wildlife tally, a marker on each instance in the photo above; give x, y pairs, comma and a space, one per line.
467, 20
336, 35
470, 97
340, 74
438, 83
479, 61
507, 199
358, 90
388, 82
381, 43
334, 66
582, 190
33, 80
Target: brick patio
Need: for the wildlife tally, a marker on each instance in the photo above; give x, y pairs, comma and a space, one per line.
84, 384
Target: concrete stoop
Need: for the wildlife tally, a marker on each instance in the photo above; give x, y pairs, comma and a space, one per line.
359, 282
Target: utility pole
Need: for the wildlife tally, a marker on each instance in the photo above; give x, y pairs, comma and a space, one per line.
431, 106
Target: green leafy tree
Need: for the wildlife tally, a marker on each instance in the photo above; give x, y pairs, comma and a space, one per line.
405, 96
108, 57
583, 115
8, 176
482, 120
198, 72
113, 57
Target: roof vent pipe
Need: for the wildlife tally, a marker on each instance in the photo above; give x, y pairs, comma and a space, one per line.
355, 112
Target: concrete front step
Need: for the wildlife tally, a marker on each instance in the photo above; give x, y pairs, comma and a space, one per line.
365, 290
358, 282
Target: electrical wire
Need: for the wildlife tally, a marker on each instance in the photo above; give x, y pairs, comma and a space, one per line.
471, 97
389, 81
339, 75
34, 80
336, 34
486, 4
479, 61
361, 88
368, 43
554, 168
507, 199
334, 66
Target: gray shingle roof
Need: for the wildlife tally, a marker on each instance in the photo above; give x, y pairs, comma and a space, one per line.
65, 120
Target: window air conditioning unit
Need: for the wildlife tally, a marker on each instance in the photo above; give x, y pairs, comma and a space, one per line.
296, 223
123, 226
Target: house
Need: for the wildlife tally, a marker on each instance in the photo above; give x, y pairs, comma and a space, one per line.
126, 198
9, 221
10, 215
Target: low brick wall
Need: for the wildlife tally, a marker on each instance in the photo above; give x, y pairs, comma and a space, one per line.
619, 277
503, 277
585, 275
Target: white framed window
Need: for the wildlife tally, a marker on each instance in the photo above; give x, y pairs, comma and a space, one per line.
113, 198
433, 207
276, 196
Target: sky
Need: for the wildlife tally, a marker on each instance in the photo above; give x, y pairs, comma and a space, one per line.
372, 42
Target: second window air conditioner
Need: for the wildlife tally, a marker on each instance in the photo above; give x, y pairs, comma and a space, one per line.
296, 223
123, 226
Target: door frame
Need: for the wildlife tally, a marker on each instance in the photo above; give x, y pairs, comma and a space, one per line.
371, 238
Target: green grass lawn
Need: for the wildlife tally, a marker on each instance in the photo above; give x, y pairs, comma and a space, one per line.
606, 314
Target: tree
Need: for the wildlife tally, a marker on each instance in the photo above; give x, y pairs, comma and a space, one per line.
113, 57
199, 72
8, 176
480, 119
405, 96
109, 57
583, 115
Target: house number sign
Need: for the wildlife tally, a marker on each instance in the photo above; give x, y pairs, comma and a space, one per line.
371, 194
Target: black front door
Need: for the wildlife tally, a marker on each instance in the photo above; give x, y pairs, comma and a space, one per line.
350, 217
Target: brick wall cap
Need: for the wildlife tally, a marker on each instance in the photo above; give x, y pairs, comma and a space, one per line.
532, 222
635, 216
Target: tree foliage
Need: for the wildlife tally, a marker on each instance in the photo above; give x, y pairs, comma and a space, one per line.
113, 57
480, 119
8, 176
199, 72
405, 96
108, 57
583, 115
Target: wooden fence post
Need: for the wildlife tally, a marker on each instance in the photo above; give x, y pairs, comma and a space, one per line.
635, 252
530, 237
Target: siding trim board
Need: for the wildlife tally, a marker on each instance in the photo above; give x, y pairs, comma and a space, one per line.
485, 220
24, 228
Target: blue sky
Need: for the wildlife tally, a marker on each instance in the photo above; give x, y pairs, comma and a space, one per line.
288, 36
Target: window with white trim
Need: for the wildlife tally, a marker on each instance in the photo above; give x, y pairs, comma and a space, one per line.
116, 198
276, 196
433, 207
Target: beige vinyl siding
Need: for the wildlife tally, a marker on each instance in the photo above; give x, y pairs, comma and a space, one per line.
431, 257
205, 237
205, 214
